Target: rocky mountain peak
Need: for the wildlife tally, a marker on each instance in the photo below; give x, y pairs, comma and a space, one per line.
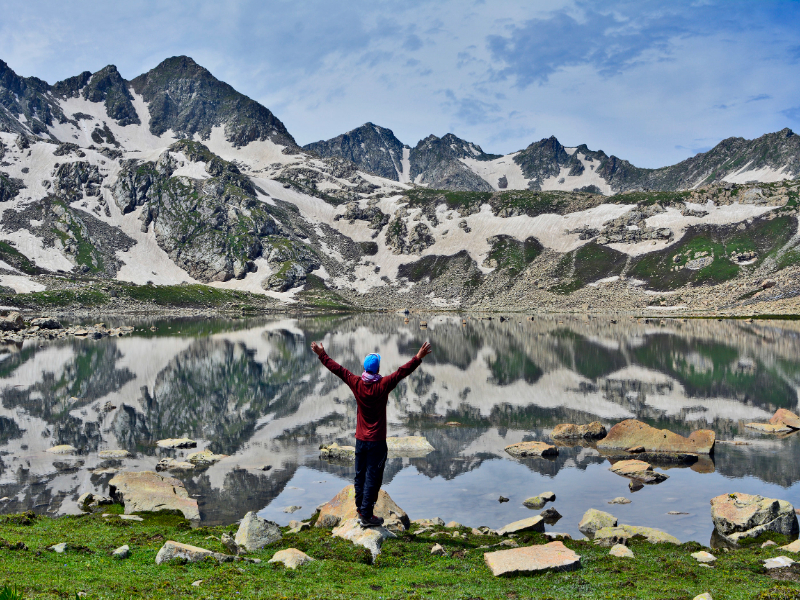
186, 98
372, 148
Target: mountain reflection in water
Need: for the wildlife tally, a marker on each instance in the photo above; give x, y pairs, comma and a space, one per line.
252, 389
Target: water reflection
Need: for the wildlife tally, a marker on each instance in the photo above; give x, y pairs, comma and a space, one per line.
253, 390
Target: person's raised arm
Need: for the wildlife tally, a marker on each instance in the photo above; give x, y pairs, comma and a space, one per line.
408, 368
333, 366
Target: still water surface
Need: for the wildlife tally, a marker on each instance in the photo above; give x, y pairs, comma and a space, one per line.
252, 389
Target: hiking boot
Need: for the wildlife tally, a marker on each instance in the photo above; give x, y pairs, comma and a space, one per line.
372, 521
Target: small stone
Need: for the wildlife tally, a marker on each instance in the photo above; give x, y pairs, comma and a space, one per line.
122, 552
171, 550
530, 524
429, 522
437, 550
704, 557
531, 449
59, 548
229, 543
769, 543
131, 518
793, 547
292, 509
204, 458
550, 515
173, 443
677, 512
63, 449
197, 583
291, 558
779, 562
620, 500
254, 532
548, 496
535, 502
370, 538
502, 499
704, 596
114, 454
453, 525
621, 551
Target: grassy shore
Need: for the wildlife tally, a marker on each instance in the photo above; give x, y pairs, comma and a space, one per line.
405, 568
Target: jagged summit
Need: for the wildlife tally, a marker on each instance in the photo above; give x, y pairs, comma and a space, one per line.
373, 148
188, 99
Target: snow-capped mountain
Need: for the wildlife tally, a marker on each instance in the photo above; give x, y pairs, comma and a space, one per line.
175, 177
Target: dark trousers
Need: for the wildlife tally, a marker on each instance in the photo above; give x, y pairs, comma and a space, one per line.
370, 462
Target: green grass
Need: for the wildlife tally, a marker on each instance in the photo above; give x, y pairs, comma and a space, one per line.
592, 262
789, 259
648, 198
512, 255
88, 297
404, 569
317, 294
185, 295
15, 258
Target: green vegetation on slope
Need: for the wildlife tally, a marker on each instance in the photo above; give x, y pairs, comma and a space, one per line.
404, 569
592, 262
512, 255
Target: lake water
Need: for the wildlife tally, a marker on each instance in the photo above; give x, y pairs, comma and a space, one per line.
252, 389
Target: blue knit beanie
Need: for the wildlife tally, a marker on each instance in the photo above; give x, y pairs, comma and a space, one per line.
372, 363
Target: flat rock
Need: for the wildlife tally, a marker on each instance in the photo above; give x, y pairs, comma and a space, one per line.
429, 522
769, 427
170, 464
591, 431
610, 536
254, 532
412, 446
738, 516
114, 454
526, 449
142, 491
637, 469
779, 562
631, 433
370, 538
530, 524
785, 417
703, 557
342, 507
174, 443
793, 547
553, 556
291, 558
204, 458
621, 551
593, 520
171, 550
63, 449
620, 500
122, 552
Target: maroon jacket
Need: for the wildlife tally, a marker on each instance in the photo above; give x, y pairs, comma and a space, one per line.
371, 397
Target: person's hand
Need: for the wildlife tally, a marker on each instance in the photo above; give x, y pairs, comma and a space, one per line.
424, 351
317, 348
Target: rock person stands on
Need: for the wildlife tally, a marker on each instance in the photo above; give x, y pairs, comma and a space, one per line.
372, 395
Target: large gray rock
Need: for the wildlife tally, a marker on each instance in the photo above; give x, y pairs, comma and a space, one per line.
342, 507
738, 516
147, 491
532, 559
254, 532
593, 520
171, 550
528, 449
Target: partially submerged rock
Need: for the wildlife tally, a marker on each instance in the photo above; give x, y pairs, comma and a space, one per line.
370, 538
591, 431
785, 417
338, 453
530, 524
526, 449
62, 450
170, 464
89, 501
114, 454
254, 532
594, 520
553, 556
637, 469
620, 500
204, 458
291, 558
342, 507
769, 427
738, 516
429, 522
611, 536
632, 433
175, 443
412, 446
142, 491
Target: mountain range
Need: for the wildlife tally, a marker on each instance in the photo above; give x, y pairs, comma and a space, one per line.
175, 177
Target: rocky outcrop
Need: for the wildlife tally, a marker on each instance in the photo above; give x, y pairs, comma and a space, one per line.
108, 86
553, 556
738, 516
591, 431
147, 491
632, 434
435, 163
343, 507
254, 532
785, 417
529, 449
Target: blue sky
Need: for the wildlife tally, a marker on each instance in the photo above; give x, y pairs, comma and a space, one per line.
652, 82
